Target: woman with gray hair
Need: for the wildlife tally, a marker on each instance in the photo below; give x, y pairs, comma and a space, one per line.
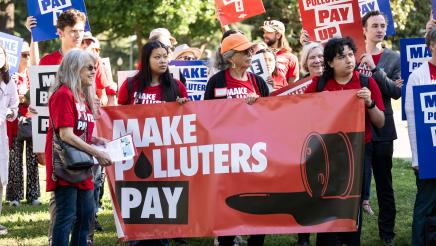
233, 80
71, 108
312, 59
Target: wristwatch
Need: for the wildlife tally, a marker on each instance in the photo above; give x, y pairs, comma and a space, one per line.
372, 105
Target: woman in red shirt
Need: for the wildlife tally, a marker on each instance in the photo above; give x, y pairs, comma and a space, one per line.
339, 74
152, 84
72, 113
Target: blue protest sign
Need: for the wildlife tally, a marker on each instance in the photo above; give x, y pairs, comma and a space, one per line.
12, 45
413, 53
383, 6
433, 7
195, 73
47, 12
424, 99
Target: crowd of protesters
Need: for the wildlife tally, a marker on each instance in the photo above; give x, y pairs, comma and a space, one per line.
83, 85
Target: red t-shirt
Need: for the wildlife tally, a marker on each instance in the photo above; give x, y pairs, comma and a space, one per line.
66, 112
354, 83
432, 71
54, 58
363, 68
239, 88
149, 95
287, 67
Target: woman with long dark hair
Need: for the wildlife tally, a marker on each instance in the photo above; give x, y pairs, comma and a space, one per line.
152, 84
8, 112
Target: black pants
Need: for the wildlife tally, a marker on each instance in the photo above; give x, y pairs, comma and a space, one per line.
382, 170
253, 240
348, 238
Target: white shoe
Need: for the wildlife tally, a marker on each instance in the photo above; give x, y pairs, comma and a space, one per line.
3, 230
15, 203
36, 202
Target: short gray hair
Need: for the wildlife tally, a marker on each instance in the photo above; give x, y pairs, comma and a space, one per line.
431, 37
307, 48
69, 74
222, 61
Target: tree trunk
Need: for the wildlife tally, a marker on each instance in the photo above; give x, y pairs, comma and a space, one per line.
7, 8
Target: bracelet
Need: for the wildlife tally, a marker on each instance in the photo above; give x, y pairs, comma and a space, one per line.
372, 105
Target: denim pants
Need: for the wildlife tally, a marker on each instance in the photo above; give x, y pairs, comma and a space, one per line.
425, 202
74, 210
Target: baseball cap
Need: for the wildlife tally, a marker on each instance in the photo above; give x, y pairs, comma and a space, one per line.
236, 41
25, 47
273, 26
88, 35
164, 33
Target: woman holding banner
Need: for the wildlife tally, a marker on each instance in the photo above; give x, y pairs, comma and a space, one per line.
71, 107
424, 210
234, 81
339, 74
8, 112
152, 84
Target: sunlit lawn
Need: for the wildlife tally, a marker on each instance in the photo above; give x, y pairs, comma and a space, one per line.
28, 224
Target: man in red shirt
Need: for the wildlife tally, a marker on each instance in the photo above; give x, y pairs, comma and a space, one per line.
287, 63
340, 74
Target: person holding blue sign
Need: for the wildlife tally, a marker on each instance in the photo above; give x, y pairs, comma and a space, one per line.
383, 65
425, 201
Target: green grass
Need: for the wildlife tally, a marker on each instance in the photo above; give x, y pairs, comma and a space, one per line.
28, 224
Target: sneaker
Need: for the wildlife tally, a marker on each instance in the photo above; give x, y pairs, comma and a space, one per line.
366, 208
388, 242
239, 240
303, 243
3, 230
15, 203
36, 202
97, 226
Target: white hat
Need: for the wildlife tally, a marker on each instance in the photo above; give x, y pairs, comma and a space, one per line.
164, 33
25, 47
183, 48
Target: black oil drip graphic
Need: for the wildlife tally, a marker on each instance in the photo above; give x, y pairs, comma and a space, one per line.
143, 167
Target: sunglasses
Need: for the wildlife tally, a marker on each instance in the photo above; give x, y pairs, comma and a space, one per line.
25, 55
91, 67
247, 51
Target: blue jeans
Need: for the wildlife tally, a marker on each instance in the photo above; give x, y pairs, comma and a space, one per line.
74, 210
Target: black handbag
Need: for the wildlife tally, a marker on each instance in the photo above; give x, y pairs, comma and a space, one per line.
69, 162
24, 131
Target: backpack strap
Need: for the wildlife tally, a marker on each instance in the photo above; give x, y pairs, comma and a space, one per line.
321, 84
129, 87
364, 80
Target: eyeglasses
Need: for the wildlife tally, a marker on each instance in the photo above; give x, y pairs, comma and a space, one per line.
25, 55
186, 58
247, 51
91, 67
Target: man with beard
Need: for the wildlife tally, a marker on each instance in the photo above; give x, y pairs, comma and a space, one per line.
287, 63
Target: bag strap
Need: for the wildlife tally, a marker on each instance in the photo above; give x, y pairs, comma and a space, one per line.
364, 81
321, 84
129, 87
250, 78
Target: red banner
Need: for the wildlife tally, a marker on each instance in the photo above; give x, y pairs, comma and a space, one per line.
223, 167
231, 11
326, 19
296, 88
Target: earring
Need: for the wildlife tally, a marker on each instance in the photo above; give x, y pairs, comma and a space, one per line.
233, 65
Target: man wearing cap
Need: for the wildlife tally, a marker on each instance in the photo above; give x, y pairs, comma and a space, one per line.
287, 63
164, 36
